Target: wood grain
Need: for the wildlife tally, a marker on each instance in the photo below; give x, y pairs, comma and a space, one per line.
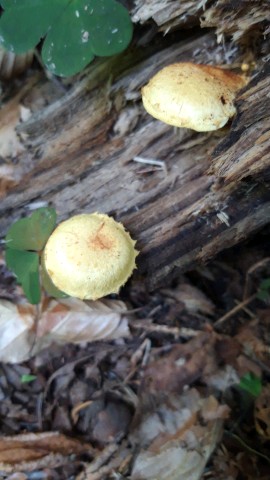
79, 155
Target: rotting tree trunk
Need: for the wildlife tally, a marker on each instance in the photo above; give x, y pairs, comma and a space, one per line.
78, 154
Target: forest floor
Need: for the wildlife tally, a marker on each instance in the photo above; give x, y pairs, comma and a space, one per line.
185, 395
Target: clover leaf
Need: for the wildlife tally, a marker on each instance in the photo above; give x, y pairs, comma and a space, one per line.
25, 22
32, 233
27, 378
25, 241
251, 384
25, 265
264, 290
75, 30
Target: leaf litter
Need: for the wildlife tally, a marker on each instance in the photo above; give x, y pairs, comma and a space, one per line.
156, 394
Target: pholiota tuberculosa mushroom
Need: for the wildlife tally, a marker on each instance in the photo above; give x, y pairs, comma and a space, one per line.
89, 256
200, 97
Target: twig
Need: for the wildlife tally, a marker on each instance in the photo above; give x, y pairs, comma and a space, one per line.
175, 331
246, 446
234, 310
247, 310
250, 271
151, 161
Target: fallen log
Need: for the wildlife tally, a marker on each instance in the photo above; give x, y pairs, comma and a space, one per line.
202, 193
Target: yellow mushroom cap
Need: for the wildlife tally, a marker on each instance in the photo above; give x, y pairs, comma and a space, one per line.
90, 256
194, 96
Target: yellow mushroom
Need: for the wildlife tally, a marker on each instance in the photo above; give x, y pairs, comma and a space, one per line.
200, 97
89, 256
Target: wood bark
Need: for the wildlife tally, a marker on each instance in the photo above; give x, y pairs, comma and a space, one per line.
76, 152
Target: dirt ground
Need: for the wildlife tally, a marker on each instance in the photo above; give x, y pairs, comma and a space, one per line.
170, 397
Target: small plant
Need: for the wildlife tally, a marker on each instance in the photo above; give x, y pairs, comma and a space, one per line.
264, 290
75, 31
251, 384
28, 378
25, 241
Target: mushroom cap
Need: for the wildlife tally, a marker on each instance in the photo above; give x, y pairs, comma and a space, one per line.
89, 256
192, 95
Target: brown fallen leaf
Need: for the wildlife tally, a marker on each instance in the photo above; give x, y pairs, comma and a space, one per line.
72, 320
262, 413
195, 300
16, 323
27, 452
249, 337
176, 429
63, 321
176, 438
182, 366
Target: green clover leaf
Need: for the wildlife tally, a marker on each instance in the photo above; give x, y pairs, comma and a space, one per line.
25, 240
25, 265
25, 22
27, 378
32, 233
75, 30
251, 384
264, 290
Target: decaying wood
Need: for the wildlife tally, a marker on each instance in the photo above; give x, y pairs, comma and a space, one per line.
243, 20
245, 150
168, 14
210, 192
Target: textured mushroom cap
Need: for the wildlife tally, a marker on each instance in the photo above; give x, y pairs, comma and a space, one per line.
193, 96
90, 256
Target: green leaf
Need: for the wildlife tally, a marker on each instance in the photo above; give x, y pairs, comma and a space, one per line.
28, 378
33, 232
86, 28
47, 283
251, 383
65, 51
25, 265
110, 26
77, 30
25, 22
264, 290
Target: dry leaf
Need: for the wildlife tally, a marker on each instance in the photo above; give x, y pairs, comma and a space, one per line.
63, 321
249, 337
223, 378
262, 413
72, 320
182, 366
195, 300
16, 322
177, 438
37, 450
